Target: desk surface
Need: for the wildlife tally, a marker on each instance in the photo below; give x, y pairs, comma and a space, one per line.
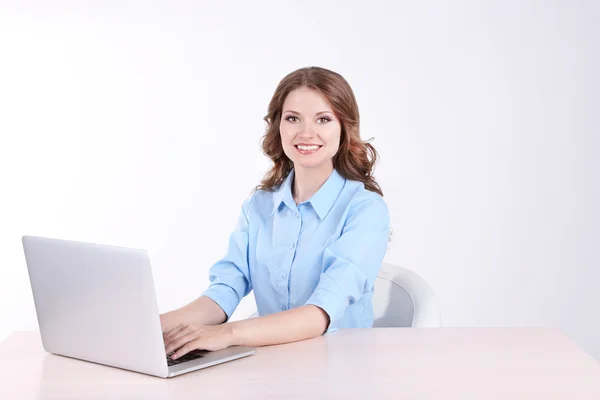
465, 363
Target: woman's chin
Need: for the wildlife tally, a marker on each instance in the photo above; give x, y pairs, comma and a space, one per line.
309, 164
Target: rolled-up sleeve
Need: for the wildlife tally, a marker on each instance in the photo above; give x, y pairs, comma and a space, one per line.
230, 276
351, 263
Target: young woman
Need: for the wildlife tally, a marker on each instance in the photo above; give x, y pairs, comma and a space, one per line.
310, 239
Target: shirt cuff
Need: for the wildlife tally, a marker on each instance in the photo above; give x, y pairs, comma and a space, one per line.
224, 296
330, 303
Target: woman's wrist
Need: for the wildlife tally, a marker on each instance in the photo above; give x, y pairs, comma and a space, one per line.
233, 331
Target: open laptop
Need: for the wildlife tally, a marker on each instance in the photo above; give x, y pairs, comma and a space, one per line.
97, 303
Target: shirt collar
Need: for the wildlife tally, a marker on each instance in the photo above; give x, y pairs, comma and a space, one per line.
322, 201
284, 194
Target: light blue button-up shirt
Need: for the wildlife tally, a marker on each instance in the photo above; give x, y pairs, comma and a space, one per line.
325, 251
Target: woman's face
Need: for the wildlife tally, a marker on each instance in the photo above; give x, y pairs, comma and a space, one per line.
310, 131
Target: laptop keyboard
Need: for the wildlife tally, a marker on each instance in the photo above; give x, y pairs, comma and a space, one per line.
192, 355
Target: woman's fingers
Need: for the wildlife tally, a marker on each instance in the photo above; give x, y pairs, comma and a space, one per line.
188, 335
174, 330
175, 333
193, 345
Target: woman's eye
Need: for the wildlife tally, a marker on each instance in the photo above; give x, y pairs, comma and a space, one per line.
291, 118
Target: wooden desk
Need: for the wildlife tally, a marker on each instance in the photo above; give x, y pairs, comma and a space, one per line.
449, 363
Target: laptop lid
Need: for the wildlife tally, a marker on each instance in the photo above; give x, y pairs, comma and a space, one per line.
96, 303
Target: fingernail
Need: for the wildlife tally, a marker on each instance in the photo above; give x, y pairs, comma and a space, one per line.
173, 356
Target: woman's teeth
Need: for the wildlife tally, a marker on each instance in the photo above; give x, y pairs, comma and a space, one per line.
308, 148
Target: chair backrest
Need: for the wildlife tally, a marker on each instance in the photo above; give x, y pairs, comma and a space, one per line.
403, 299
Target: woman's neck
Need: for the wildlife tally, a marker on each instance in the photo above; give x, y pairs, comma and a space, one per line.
307, 181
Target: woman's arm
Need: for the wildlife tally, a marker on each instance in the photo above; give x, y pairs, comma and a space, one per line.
285, 327
230, 282
202, 311
300, 323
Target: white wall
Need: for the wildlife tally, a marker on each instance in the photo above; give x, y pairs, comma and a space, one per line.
138, 124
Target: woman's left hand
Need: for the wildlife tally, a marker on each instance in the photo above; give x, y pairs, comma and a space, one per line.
185, 338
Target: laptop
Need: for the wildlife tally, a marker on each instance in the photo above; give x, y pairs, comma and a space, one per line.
97, 303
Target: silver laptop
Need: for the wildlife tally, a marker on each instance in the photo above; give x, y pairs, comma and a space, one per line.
97, 303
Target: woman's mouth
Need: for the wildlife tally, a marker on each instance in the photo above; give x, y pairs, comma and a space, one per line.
307, 149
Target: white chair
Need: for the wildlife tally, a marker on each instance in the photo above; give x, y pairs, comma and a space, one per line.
402, 299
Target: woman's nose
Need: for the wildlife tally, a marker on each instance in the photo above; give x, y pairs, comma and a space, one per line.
306, 131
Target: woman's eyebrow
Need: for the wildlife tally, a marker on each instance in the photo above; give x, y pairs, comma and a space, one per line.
319, 113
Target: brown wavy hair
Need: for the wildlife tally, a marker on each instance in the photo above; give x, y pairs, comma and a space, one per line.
355, 158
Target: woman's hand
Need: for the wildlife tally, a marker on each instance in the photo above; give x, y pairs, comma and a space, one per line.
169, 321
185, 338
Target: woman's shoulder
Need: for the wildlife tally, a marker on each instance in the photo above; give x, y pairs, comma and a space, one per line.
360, 194
366, 201
258, 200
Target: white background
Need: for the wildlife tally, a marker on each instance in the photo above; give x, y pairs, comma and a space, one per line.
138, 124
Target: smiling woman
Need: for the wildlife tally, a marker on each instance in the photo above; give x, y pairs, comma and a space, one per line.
310, 238
322, 103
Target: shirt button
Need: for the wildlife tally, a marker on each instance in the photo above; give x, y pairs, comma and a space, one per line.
297, 215
283, 308
292, 245
284, 276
